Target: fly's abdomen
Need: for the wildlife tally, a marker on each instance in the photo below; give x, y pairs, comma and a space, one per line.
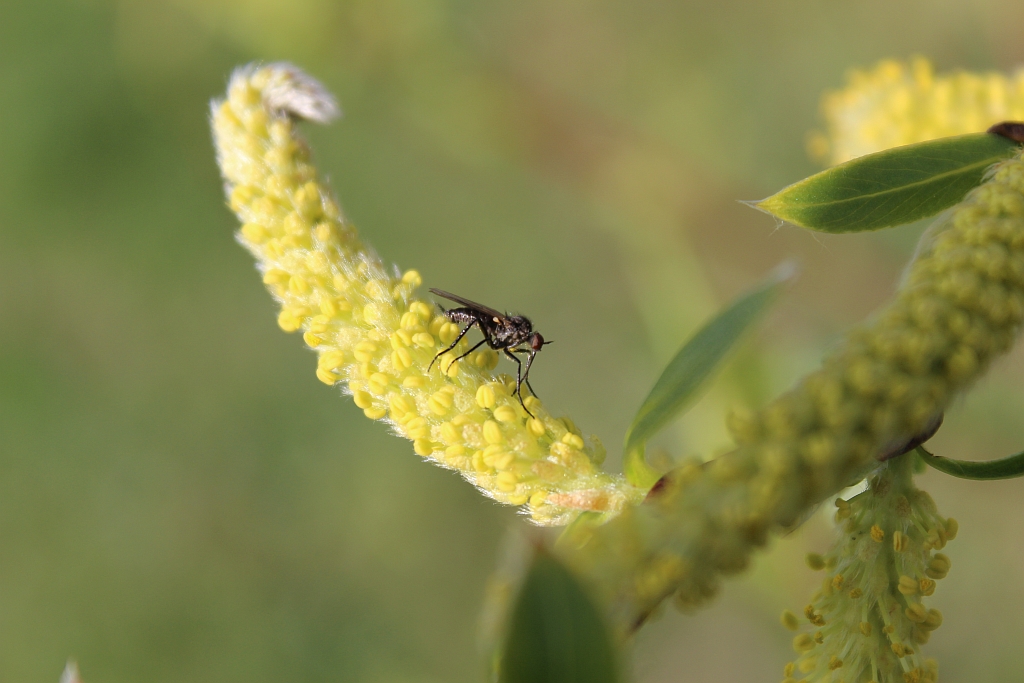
461, 316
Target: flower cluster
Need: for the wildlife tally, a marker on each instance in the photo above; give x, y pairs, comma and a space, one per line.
370, 331
868, 619
898, 103
960, 305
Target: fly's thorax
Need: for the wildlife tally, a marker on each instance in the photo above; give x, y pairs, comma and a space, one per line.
513, 330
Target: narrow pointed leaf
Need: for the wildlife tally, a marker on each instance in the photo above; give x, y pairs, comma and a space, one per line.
894, 187
1005, 468
556, 634
685, 375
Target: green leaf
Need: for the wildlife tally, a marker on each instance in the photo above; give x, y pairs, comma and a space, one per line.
894, 187
556, 634
685, 374
1005, 468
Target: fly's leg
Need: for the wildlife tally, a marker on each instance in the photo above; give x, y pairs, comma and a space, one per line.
519, 380
478, 345
452, 345
529, 364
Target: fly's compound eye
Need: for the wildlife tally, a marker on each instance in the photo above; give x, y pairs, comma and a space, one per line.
536, 341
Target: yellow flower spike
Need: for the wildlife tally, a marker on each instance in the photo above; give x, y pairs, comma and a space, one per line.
889, 396
898, 103
886, 593
377, 337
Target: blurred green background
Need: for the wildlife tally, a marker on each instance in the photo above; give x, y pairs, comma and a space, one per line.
182, 500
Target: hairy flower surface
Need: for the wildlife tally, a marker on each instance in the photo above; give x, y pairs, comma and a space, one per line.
370, 331
868, 620
898, 103
961, 304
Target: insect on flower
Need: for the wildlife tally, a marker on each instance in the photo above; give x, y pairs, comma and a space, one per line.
510, 333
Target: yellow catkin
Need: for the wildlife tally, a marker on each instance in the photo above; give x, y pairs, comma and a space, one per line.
373, 335
887, 592
899, 103
715, 522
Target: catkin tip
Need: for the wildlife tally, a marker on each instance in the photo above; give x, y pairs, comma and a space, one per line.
292, 92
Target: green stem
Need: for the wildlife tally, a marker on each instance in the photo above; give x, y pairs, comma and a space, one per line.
1005, 468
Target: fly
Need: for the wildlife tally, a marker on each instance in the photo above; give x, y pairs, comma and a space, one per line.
512, 334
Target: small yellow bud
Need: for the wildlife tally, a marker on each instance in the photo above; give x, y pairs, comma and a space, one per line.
938, 566
926, 586
492, 432
907, 585
952, 527
255, 233
790, 621
916, 613
378, 383
813, 616
375, 413
865, 628
401, 359
331, 360
507, 482
364, 351
421, 309
288, 321
573, 440
803, 643
536, 427
362, 399
298, 285
933, 621
505, 414
326, 377
877, 533
422, 447
815, 561
423, 340
485, 396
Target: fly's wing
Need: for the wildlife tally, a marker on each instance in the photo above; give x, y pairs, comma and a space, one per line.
487, 310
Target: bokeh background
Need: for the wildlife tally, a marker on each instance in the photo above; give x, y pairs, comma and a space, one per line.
182, 500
